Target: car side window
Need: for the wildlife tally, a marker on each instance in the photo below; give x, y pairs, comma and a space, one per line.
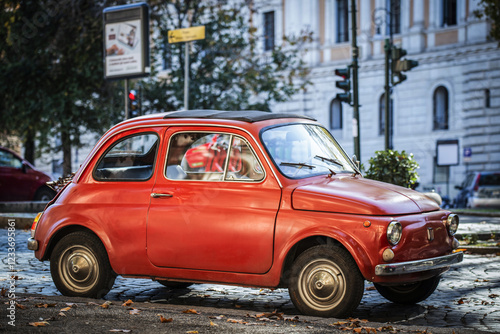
212, 157
9, 160
130, 159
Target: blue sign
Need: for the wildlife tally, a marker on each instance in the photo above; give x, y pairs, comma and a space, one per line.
467, 154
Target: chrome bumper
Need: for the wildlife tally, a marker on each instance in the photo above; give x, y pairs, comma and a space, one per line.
419, 265
32, 244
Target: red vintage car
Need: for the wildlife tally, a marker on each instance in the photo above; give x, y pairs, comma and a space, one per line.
245, 198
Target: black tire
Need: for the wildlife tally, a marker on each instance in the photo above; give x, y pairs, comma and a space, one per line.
175, 285
325, 281
44, 194
80, 267
409, 293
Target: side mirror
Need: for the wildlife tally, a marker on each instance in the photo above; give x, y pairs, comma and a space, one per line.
24, 168
355, 160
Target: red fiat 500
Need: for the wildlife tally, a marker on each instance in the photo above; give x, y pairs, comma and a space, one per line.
247, 198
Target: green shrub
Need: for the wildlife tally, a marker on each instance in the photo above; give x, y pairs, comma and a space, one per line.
393, 167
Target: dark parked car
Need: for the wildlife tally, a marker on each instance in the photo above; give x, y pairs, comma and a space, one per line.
480, 189
20, 181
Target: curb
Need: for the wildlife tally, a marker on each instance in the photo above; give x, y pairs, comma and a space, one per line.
22, 207
23, 221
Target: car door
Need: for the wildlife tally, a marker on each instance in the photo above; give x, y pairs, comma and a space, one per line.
215, 205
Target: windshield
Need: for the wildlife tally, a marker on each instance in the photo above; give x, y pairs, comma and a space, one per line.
303, 150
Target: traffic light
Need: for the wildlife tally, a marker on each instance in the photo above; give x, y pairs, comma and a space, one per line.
133, 103
399, 65
345, 84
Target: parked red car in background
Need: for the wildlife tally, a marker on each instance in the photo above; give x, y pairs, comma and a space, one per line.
20, 181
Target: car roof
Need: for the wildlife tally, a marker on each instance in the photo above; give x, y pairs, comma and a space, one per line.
249, 116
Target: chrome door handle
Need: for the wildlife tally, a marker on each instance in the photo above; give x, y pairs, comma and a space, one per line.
157, 195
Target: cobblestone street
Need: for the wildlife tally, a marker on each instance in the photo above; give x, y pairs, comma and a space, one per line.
468, 296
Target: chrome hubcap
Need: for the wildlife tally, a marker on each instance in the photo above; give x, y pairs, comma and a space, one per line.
322, 284
78, 268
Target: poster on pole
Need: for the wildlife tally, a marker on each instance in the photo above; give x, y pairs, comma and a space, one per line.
126, 41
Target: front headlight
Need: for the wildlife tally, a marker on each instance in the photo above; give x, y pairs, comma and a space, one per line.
452, 224
394, 232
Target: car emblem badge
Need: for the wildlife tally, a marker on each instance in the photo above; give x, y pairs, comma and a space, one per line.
430, 234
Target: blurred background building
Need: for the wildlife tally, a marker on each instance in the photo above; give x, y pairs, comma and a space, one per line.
452, 96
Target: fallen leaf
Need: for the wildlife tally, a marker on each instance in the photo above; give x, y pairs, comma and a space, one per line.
370, 288
62, 314
19, 306
120, 330
39, 324
128, 303
494, 295
40, 305
134, 311
106, 304
163, 320
192, 332
213, 324
216, 317
191, 311
235, 321
65, 309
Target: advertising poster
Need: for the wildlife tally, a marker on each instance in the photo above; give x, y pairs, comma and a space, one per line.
123, 48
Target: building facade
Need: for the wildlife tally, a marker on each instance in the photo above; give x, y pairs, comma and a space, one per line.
453, 96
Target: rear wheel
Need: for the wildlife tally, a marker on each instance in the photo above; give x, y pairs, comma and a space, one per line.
325, 281
44, 194
80, 267
409, 293
175, 285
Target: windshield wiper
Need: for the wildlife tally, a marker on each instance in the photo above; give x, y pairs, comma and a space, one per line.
297, 164
331, 160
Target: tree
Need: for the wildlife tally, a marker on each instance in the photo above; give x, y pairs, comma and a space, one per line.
393, 167
51, 53
227, 69
491, 9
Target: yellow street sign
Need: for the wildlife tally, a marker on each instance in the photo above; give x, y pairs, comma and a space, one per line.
186, 35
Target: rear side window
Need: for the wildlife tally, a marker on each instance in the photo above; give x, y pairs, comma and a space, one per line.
130, 159
489, 180
212, 157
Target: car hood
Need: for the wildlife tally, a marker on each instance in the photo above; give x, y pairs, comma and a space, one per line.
356, 195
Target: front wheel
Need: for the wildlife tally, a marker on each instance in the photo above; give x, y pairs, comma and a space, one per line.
325, 281
80, 267
409, 293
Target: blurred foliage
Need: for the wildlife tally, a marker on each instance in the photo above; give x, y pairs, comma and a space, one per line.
491, 9
393, 167
52, 73
227, 70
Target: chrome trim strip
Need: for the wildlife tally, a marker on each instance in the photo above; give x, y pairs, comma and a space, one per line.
419, 265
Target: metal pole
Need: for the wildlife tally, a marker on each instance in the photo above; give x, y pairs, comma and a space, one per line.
387, 97
126, 98
355, 53
186, 76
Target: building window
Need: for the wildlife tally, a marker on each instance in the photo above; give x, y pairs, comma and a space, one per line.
441, 173
268, 31
487, 98
440, 108
336, 115
449, 13
395, 16
342, 21
381, 115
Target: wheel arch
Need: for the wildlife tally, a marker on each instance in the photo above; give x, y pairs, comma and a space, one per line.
354, 249
64, 231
